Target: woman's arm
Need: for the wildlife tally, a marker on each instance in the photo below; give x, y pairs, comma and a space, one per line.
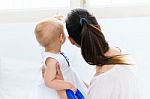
86, 84
50, 75
62, 94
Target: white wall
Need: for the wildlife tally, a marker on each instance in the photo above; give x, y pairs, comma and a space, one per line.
17, 41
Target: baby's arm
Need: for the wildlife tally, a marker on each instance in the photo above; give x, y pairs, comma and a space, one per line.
50, 77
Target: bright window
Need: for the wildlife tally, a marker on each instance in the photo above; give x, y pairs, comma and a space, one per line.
110, 2
22, 4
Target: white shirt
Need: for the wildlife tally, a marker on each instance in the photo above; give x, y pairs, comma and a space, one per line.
117, 83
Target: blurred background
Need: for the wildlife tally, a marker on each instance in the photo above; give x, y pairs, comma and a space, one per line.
126, 24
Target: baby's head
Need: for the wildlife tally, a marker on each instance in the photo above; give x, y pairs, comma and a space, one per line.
50, 32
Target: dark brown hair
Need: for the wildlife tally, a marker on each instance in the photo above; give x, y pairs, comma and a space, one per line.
85, 30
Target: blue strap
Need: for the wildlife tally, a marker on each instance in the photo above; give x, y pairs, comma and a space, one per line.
65, 58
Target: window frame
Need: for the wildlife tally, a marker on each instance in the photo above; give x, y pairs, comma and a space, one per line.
120, 10
113, 11
34, 14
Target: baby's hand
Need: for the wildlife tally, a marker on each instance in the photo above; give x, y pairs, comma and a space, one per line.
59, 17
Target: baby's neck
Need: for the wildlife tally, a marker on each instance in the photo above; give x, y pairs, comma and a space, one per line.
53, 50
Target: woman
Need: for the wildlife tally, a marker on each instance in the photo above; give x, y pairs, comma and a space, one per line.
113, 80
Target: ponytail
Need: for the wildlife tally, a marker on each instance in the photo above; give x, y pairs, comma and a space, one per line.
93, 43
94, 46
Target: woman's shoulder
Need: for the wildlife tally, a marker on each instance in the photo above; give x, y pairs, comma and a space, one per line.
116, 72
123, 73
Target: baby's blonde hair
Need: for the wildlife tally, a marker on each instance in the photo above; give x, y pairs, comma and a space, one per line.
47, 31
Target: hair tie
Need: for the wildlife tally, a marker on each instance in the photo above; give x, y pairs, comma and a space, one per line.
82, 21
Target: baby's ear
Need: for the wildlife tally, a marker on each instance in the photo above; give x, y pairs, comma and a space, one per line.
71, 40
62, 38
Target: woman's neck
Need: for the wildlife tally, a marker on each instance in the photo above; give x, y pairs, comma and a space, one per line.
111, 52
102, 69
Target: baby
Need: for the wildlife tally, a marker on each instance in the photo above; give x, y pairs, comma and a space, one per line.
50, 35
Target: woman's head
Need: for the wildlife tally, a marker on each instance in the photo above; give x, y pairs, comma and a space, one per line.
84, 29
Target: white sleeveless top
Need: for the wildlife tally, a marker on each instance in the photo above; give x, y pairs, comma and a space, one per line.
67, 71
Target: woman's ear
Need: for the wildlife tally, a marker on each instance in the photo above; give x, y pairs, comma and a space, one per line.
71, 40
